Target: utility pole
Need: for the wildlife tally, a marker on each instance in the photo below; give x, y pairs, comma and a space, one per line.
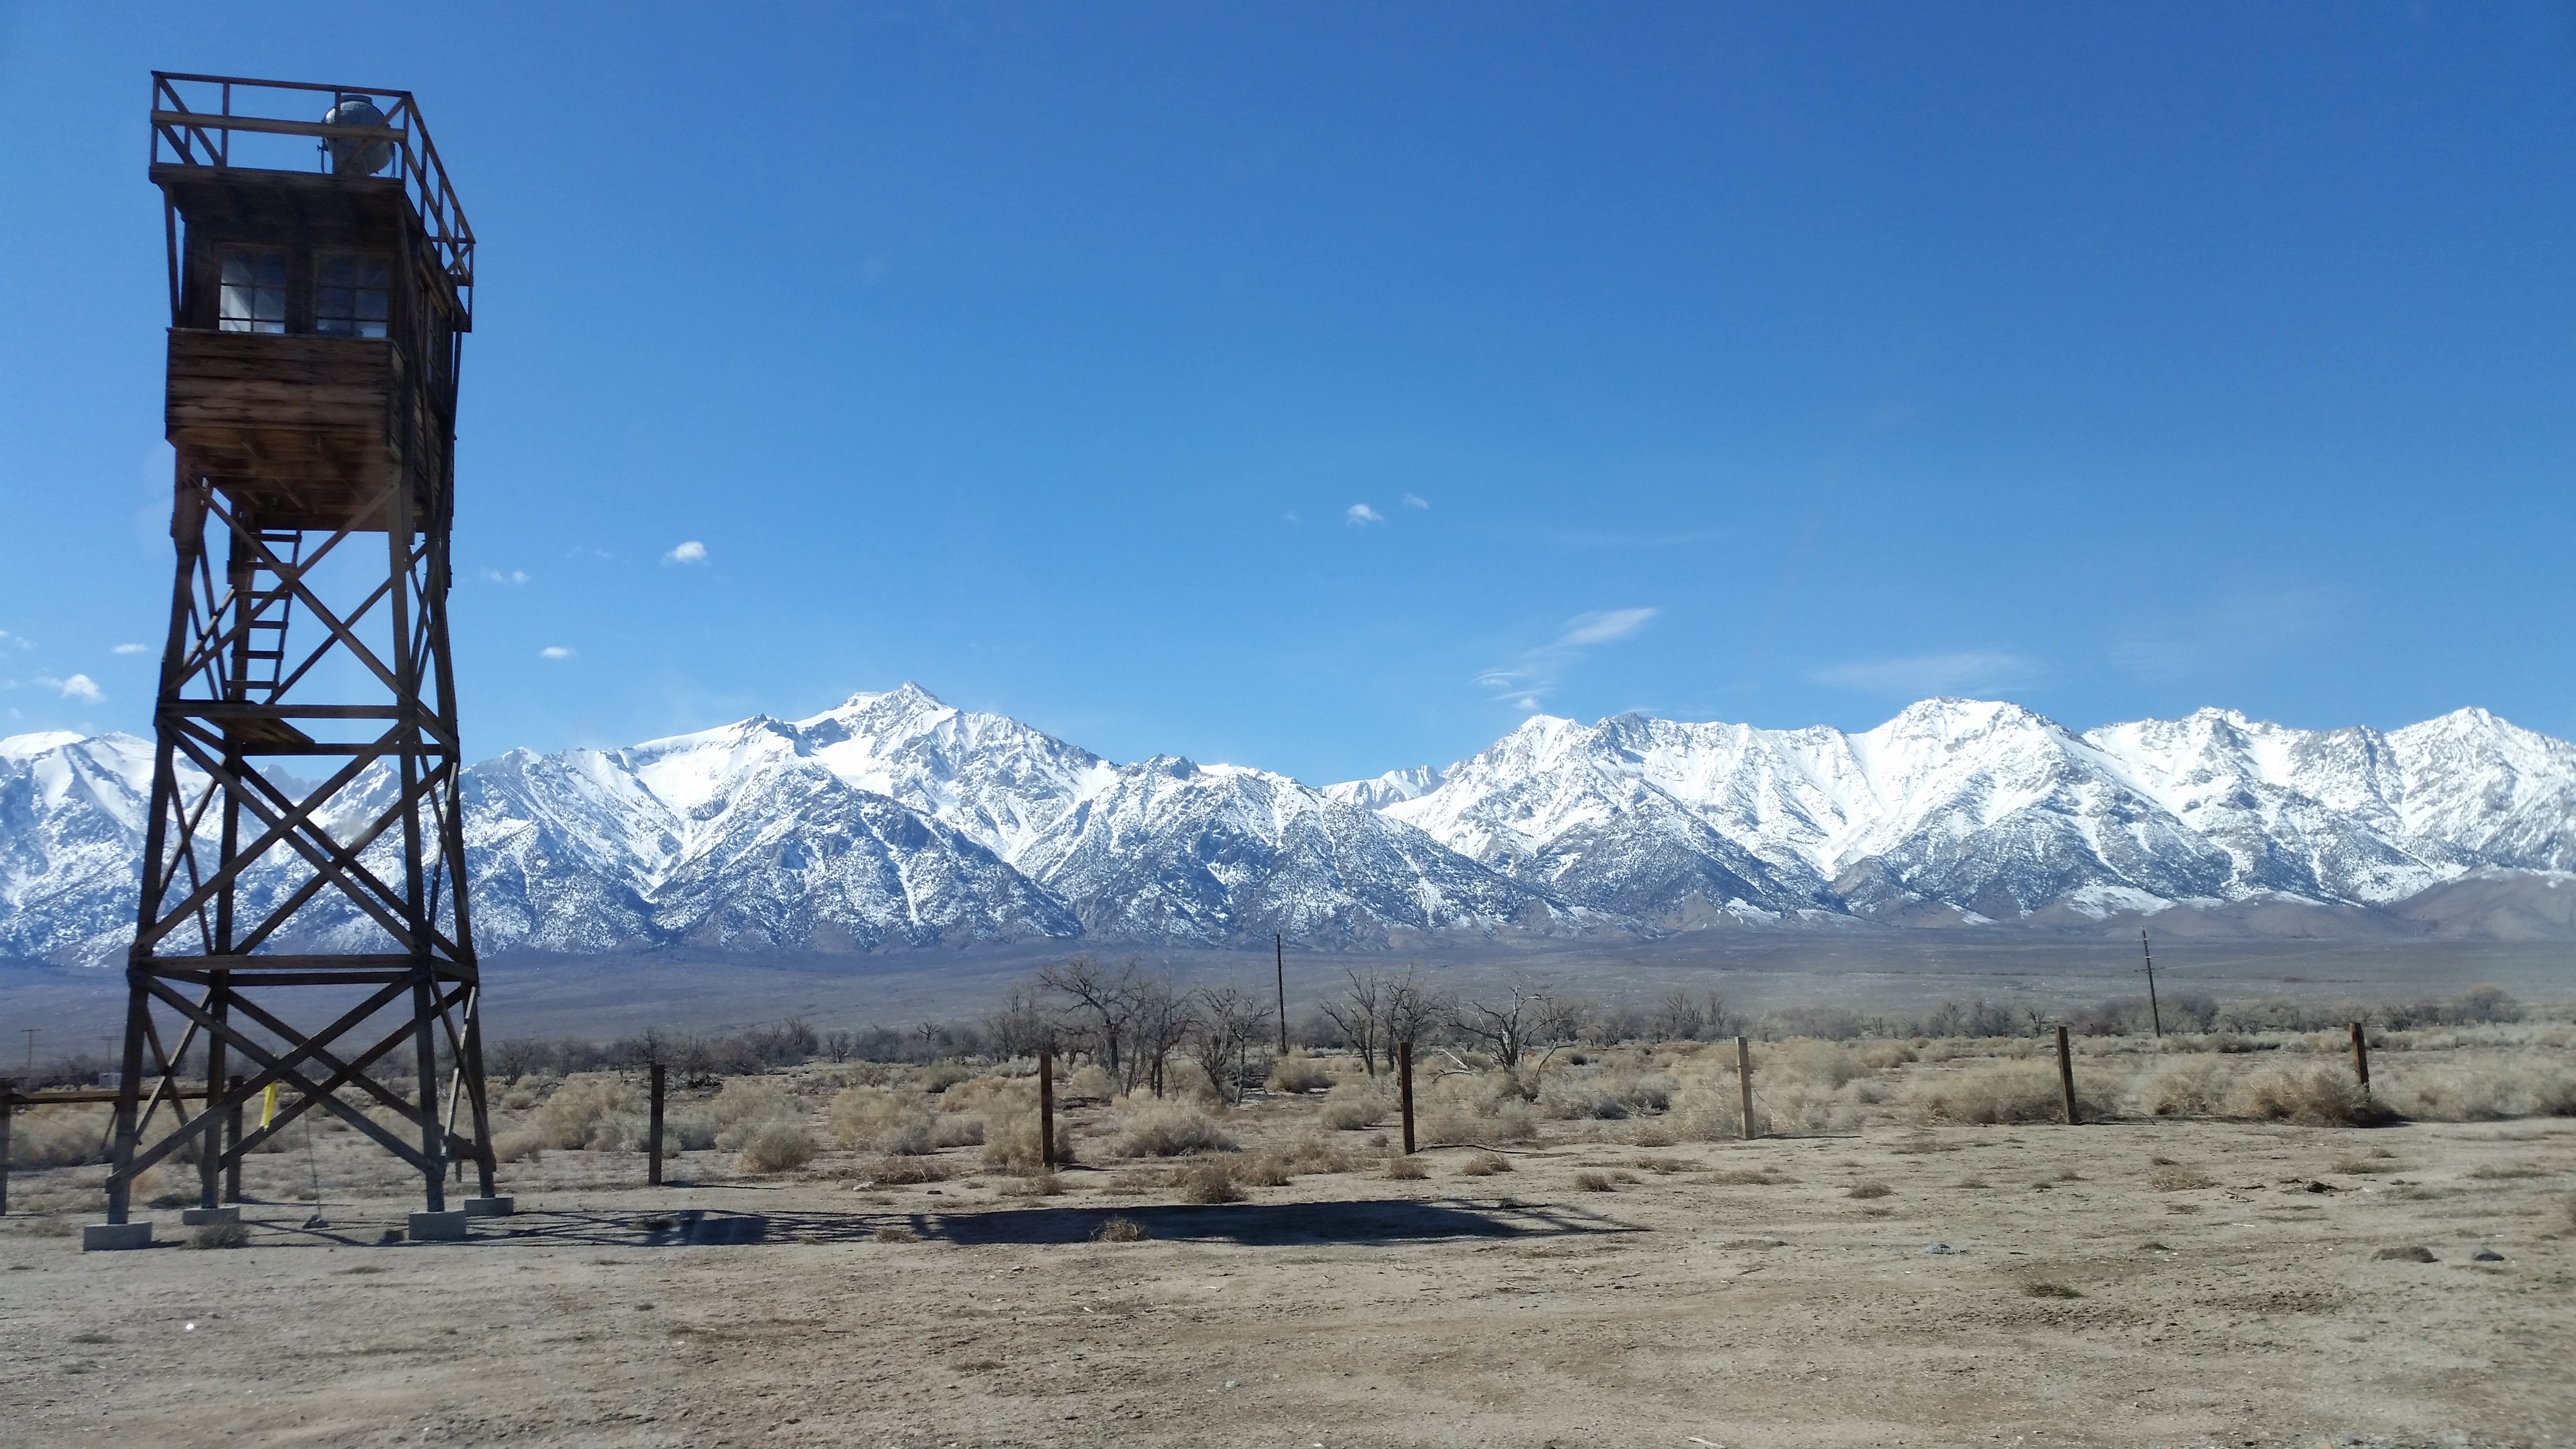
1279, 958
2153, 1010
31, 1049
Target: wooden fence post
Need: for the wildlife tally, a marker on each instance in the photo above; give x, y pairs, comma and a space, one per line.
2361, 1058
232, 1139
653, 1145
1404, 1089
1744, 1082
1046, 1108
2065, 1076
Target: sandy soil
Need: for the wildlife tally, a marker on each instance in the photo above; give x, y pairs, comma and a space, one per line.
2084, 1304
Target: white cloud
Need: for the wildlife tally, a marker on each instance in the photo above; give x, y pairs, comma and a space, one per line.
128, 649
514, 576
79, 687
1416, 500
554, 651
1531, 678
1921, 675
1360, 514
1603, 627
20, 640
692, 552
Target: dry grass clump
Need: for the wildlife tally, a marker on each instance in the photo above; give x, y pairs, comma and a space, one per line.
2197, 1086
2406, 1255
2479, 1091
1297, 1073
901, 1122
1092, 1081
2378, 1159
1404, 1169
591, 1111
895, 1171
1750, 1177
777, 1147
1037, 1184
1208, 1181
1120, 1230
1356, 1106
1172, 1132
894, 1233
1484, 1107
1992, 1093
2311, 1096
1591, 1182
1135, 1181
220, 1235
2049, 1289
1869, 1189
1484, 1164
60, 1135
1014, 1146
1312, 1154
1262, 1169
1605, 1093
2174, 1177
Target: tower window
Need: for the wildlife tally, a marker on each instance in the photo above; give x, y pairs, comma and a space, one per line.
254, 292
350, 297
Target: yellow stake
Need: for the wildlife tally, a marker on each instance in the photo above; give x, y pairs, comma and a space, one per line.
267, 1106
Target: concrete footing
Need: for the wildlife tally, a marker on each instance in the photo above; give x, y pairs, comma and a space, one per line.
115, 1237
200, 1217
446, 1227
490, 1207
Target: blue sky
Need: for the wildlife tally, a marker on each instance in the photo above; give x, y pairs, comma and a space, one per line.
1325, 386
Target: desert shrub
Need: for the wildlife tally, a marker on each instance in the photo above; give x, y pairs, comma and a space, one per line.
1485, 1164
1297, 1073
2314, 1096
1014, 1146
1355, 1106
863, 1116
689, 1132
1591, 1182
1042, 1183
1993, 1092
1868, 1189
2175, 1177
2465, 1092
1128, 1182
1262, 1169
907, 1139
1312, 1154
777, 1146
746, 1106
2354, 1164
1119, 1230
1207, 1180
2192, 1087
900, 1171
992, 1096
1171, 1132
62, 1135
957, 1130
2047, 1289
1750, 1177
894, 1233
1404, 1169
594, 1111
1708, 1108
1091, 1080
941, 1076
220, 1235
519, 1146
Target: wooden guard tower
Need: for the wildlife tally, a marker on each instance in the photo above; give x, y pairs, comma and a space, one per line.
303, 920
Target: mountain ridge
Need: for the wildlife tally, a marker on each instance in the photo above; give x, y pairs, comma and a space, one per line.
896, 821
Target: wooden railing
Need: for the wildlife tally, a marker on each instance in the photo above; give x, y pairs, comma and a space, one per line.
194, 119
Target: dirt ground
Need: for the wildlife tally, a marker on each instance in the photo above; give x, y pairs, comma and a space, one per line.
2088, 1295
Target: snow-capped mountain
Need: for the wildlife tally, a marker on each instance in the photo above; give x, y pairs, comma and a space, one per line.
898, 821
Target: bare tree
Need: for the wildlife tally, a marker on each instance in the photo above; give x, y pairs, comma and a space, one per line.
1106, 996
1409, 1010
1356, 1014
1527, 1019
1023, 1027
1162, 1022
1229, 1020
